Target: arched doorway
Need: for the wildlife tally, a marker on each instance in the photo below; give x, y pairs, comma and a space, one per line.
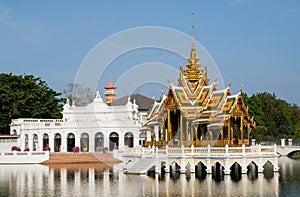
113, 141
70, 142
84, 142
45, 140
142, 139
99, 141
35, 142
26, 141
128, 139
57, 142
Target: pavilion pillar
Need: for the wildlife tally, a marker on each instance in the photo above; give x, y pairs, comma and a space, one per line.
196, 134
169, 126
229, 131
202, 132
181, 129
242, 129
163, 132
210, 137
186, 130
222, 135
231, 136
192, 132
249, 131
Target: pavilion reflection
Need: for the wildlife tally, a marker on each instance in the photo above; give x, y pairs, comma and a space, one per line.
93, 180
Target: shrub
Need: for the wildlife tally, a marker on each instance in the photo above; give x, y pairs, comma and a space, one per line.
76, 149
15, 148
26, 149
46, 148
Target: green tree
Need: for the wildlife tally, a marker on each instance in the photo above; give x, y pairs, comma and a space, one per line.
275, 118
26, 96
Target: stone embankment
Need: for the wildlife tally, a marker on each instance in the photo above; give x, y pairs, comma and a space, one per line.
77, 158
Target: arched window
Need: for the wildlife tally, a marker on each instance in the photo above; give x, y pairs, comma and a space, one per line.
84, 142
113, 141
35, 142
70, 142
57, 142
26, 141
128, 139
45, 140
142, 139
99, 141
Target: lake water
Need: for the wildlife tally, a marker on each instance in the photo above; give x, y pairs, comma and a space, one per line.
103, 180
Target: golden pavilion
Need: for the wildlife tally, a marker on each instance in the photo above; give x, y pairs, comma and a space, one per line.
195, 113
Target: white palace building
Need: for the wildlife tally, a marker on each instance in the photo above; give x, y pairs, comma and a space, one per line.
96, 127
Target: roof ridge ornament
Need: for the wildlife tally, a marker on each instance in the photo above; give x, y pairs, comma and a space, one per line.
216, 80
229, 83
242, 86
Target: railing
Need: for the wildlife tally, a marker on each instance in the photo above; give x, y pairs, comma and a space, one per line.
202, 143
208, 151
23, 157
281, 142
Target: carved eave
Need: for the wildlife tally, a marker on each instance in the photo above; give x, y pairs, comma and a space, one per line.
239, 109
171, 102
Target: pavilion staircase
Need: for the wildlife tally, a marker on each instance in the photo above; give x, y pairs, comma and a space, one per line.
142, 166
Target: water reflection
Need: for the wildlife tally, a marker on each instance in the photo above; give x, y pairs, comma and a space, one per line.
101, 180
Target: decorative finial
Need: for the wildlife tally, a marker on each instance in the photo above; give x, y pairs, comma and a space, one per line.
229, 83
242, 86
216, 80
97, 94
193, 32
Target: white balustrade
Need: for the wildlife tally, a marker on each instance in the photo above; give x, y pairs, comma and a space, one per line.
23, 157
208, 151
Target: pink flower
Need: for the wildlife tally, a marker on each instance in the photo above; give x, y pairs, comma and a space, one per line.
26, 149
76, 149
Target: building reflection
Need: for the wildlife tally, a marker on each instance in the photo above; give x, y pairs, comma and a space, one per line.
93, 180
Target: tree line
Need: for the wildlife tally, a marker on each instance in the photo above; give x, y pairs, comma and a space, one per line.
275, 118
27, 96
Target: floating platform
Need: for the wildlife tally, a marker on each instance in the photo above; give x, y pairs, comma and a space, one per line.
141, 160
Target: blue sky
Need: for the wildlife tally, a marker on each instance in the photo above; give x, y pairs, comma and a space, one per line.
254, 42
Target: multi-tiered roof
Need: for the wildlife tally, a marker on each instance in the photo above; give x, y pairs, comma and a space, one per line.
197, 100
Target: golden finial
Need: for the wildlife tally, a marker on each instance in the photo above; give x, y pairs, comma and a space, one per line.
230, 83
193, 32
216, 80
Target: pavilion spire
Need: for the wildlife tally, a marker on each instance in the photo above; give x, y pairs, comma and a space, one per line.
193, 70
193, 32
